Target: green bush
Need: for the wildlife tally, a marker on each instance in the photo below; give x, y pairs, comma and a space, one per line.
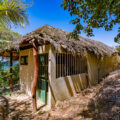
5, 75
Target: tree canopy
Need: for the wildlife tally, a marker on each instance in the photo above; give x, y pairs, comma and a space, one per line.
90, 14
6, 38
7, 34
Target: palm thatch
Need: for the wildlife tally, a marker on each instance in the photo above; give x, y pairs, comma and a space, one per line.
6, 47
58, 38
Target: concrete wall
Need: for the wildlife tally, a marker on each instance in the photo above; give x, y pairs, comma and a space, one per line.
27, 71
100, 67
65, 87
70, 85
59, 89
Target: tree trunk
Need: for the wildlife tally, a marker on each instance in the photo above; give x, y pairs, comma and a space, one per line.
11, 79
35, 56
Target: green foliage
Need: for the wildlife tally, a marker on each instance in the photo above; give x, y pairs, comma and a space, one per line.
16, 74
7, 93
6, 38
4, 76
4, 45
94, 14
117, 38
13, 12
7, 34
118, 49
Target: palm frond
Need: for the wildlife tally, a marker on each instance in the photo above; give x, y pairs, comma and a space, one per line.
13, 12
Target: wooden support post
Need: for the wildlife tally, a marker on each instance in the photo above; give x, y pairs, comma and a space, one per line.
11, 79
35, 79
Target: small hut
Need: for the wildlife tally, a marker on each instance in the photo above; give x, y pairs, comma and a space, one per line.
54, 67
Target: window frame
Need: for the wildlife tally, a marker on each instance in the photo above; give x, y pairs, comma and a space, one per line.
25, 60
68, 64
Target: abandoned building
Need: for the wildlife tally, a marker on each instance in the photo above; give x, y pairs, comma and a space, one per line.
65, 65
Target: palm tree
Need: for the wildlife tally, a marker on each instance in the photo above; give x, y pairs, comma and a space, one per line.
13, 12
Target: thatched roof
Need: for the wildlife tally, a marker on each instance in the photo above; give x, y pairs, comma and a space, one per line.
58, 38
6, 47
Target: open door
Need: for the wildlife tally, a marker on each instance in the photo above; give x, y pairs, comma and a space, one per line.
42, 88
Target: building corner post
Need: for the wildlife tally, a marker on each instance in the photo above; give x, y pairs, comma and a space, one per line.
35, 79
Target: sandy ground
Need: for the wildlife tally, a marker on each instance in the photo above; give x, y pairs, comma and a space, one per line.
101, 102
20, 106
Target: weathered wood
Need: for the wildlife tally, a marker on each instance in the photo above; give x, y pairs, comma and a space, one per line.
35, 56
11, 78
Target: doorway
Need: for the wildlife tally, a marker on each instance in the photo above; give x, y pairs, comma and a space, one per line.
42, 87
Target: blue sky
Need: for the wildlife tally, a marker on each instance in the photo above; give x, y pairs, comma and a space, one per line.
50, 12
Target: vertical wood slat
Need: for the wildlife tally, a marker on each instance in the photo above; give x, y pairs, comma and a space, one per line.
80, 65
65, 64
75, 65
69, 64
72, 64
62, 65
11, 78
56, 66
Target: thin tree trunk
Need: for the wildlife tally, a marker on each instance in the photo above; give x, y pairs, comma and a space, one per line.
35, 56
11, 79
